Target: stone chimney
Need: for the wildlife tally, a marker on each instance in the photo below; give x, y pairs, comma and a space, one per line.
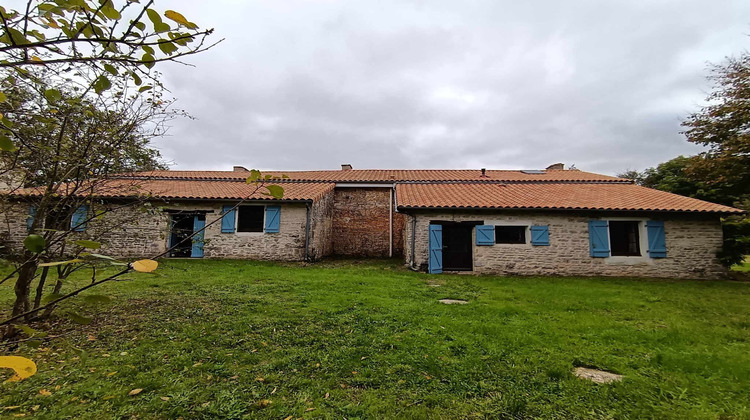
346, 166
240, 169
484, 172
556, 167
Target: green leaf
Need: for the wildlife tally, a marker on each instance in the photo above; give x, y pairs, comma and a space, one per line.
34, 342
34, 243
51, 298
154, 16
79, 319
27, 330
110, 69
56, 263
167, 47
136, 79
275, 191
3, 98
145, 88
110, 11
88, 244
254, 176
140, 25
97, 298
7, 144
101, 84
148, 60
148, 49
52, 95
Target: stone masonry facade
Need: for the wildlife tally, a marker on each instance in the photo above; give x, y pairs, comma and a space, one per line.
692, 243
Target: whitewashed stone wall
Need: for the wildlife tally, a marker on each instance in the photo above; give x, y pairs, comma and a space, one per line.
692, 243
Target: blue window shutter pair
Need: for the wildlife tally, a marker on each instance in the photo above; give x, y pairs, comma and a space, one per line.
657, 245
485, 235
540, 235
273, 219
30, 219
599, 238
435, 261
228, 222
78, 220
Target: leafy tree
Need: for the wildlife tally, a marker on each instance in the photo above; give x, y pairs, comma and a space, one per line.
80, 99
724, 127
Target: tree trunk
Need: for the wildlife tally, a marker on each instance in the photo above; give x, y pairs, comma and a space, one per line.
48, 311
40, 288
23, 287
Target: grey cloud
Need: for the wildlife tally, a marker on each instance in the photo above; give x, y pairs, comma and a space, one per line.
309, 85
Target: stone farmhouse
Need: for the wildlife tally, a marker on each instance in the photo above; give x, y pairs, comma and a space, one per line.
522, 222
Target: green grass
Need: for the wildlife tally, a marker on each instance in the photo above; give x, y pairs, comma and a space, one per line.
344, 339
744, 267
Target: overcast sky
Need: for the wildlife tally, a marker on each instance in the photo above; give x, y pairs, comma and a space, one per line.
446, 84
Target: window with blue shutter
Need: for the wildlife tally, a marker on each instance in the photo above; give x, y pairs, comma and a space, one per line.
540, 235
435, 261
599, 238
78, 220
485, 235
273, 219
228, 222
657, 245
30, 219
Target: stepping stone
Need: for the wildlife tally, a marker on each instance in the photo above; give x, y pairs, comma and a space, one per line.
453, 302
598, 376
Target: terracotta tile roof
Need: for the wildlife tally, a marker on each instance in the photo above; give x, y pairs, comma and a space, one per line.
201, 190
559, 196
401, 175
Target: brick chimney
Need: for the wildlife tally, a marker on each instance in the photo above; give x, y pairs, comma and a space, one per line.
240, 169
346, 166
556, 167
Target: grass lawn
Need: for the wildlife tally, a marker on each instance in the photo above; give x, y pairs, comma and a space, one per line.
344, 339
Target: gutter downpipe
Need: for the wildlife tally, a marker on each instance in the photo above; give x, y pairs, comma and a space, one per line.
390, 224
413, 241
307, 232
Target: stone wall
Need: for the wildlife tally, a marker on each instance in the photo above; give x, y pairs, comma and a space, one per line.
134, 232
692, 242
361, 223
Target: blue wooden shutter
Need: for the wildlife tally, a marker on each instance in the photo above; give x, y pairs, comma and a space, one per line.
30, 219
78, 220
485, 235
657, 245
228, 222
197, 250
599, 238
273, 219
435, 264
540, 235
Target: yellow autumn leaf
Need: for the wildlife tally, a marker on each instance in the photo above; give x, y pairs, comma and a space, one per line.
177, 17
36, 59
135, 391
145, 266
23, 367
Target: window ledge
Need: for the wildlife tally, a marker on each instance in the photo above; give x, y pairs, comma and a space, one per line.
623, 260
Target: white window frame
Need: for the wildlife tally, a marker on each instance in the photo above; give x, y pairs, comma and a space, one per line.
237, 219
642, 242
527, 232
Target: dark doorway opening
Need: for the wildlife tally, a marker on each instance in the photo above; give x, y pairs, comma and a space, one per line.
181, 229
457, 249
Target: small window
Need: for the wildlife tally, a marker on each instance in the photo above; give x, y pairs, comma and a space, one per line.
250, 219
510, 234
58, 219
624, 238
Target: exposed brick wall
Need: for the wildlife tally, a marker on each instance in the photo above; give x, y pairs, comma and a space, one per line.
361, 225
692, 242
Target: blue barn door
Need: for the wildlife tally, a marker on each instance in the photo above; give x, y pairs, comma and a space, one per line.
199, 222
435, 264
